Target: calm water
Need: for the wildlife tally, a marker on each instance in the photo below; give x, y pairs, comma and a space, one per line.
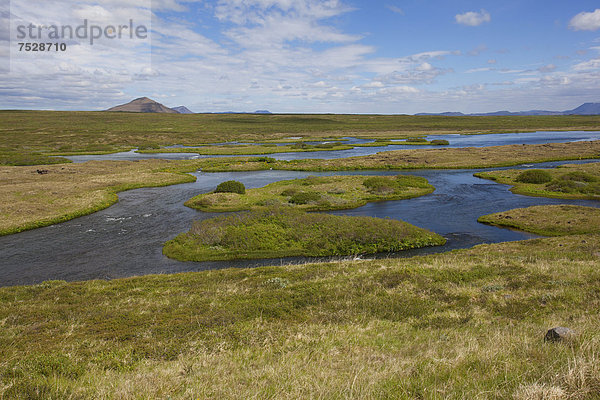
126, 239
455, 141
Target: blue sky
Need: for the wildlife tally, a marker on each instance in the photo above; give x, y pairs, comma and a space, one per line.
340, 56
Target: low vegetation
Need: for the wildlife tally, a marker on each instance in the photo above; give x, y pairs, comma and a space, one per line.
468, 157
21, 159
466, 324
32, 197
317, 193
251, 149
285, 232
548, 220
66, 132
567, 181
231, 187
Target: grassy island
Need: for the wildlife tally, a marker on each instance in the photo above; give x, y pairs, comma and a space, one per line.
550, 220
317, 193
285, 232
567, 181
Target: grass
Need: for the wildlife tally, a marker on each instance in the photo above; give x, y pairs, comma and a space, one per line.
250, 149
332, 193
465, 324
285, 232
567, 182
548, 220
63, 132
31, 200
444, 158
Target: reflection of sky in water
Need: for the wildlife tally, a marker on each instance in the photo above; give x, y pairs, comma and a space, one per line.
126, 239
455, 140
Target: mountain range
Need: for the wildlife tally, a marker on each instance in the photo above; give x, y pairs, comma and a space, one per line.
584, 109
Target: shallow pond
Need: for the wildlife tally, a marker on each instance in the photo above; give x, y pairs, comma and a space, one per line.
126, 239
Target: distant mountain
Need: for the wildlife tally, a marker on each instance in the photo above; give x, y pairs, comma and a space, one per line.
182, 110
584, 109
262, 112
143, 105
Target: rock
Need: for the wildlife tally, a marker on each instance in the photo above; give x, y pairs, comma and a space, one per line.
559, 334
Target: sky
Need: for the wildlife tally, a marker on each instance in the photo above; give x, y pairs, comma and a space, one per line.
303, 56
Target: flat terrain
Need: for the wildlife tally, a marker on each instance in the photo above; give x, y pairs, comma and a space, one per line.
466, 324
24, 132
30, 200
550, 220
286, 232
468, 157
328, 193
568, 182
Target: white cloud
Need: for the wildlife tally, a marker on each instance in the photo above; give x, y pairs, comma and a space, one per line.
395, 9
473, 18
586, 21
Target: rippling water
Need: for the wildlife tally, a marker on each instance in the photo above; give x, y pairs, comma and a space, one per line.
126, 239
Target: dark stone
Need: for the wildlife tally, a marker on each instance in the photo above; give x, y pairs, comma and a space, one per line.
559, 334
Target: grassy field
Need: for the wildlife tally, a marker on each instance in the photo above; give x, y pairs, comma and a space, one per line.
286, 232
24, 132
30, 200
463, 325
330, 193
550, 220
252, 149
567, 181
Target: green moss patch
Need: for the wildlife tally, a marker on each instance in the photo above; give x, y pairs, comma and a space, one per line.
286, 232
317, 193
568, 181
552, 220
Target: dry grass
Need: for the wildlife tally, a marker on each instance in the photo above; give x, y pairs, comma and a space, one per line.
30, 200
550, 220
463, 325
469, 157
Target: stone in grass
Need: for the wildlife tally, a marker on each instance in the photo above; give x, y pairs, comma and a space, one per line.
559, 334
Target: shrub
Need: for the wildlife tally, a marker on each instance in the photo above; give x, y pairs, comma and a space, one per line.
439, 142
416, 140
534, 176
268, 160
290, 192
149, 146
305, 198
231, 187
578, 176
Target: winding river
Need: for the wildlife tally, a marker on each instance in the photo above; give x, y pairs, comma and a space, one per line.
126, 239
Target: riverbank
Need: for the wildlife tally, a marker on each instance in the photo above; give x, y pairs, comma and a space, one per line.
550, 220
458, 325
33, 197
286, 232
313, 193
580, 181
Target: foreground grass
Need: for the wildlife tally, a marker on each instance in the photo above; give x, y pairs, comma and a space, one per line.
549, 220
31, 200
72, 132
329, 192
466, 324
567, 182
285, 232
469, 157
